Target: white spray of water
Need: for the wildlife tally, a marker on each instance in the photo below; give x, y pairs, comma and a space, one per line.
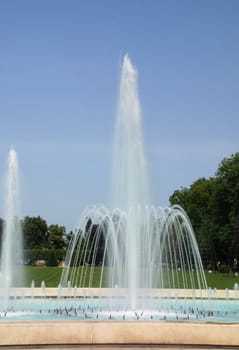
11, 253
142, 246
130, 185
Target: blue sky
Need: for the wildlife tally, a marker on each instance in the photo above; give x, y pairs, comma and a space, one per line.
59, 74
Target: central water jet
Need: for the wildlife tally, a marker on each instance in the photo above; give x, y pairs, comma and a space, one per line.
130, 187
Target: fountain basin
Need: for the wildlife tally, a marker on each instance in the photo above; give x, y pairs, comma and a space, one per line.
111, 305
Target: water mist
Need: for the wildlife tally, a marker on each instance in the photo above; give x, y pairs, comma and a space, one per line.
11, 250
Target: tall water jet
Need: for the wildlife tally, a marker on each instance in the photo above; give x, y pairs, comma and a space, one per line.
11, 251
130, 185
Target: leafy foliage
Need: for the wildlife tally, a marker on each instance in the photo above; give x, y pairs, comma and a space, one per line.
213, 207
56, 236
43, 242
35, 232
51, 256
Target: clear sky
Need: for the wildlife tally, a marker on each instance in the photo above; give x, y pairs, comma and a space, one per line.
59, 74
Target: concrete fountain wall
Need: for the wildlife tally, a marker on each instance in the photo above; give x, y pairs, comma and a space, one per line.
104, 292
118, 332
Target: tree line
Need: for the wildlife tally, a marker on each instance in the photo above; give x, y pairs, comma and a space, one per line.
42, 241
213, 207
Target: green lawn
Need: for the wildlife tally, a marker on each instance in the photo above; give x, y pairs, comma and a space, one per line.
221, 280
52, 275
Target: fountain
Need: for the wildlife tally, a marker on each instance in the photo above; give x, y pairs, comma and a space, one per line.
11, 252
145, 258
142, 247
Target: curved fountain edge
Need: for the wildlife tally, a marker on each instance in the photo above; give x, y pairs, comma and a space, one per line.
104, 292
117, 332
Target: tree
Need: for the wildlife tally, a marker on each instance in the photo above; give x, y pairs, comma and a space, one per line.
94, 233
52, 259
197, 202
57, 236
35, 232
213, 207
226, 208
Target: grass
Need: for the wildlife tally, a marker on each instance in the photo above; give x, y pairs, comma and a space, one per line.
52, 276
221, 280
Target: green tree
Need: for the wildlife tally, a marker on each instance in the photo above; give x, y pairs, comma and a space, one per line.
51, 258
57, 236
35, 232
197, 202
226, 208
213, 207
94, 233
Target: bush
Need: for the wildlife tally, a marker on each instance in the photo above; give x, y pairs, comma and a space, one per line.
224, 268
51, 256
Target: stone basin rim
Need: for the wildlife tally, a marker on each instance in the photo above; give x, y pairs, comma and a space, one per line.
118, 332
